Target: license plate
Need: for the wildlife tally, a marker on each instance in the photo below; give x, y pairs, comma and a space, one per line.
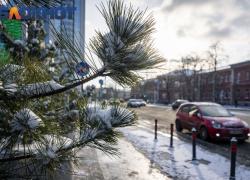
236, 132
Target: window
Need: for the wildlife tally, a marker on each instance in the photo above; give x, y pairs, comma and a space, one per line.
205, 80
247, 94
176, 95
191, 96
238, 77
177, 84
193, 109
185, 109
164, 95
211, 95
221, 79
229, 94
225, 78
164, 85
225, 95
247, 75
230, 78
238, 94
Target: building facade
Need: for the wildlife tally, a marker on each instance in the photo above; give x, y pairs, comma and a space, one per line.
233, 84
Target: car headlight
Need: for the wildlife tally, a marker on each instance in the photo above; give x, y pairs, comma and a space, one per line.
216, 124
245, 124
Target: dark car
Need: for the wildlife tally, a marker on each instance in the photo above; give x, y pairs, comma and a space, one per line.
211, 120
176, 104
133, 103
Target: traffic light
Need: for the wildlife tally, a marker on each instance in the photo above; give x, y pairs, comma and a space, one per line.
144, 95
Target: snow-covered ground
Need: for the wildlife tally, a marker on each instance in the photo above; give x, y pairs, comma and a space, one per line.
176, 161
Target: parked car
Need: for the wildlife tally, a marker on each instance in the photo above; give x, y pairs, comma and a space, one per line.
133, 103
143, 103
176, 104
211, 120
122, 100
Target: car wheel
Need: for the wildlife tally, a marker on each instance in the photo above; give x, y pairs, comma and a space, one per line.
204, 135
178, 126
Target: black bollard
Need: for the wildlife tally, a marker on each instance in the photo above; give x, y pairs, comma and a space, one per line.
155, 128
194, 160
233, 157
171, 139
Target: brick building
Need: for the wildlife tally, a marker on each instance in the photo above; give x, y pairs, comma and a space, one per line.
233, 83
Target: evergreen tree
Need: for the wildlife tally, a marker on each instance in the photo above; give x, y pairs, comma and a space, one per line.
34, 114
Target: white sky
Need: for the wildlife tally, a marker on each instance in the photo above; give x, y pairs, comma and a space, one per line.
185, 26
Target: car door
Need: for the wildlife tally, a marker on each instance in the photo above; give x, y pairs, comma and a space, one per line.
183, 115
193, 121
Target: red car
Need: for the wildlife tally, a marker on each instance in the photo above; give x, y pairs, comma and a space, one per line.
211, 120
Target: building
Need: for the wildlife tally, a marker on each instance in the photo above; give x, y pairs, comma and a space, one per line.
233, 83
14, 30
73, 26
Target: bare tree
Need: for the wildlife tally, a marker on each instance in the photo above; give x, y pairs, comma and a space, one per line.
215, 58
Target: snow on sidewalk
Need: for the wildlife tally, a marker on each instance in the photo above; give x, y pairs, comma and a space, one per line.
174, 161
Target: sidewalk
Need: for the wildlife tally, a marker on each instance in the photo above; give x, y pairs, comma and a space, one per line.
176, 161
131, 165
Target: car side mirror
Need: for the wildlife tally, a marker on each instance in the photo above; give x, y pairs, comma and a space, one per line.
196, 115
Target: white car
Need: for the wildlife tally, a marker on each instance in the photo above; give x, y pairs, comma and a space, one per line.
133, 103
143, 103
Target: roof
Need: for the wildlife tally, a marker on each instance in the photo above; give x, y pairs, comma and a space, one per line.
204, 103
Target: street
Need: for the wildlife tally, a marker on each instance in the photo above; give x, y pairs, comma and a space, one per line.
166, 115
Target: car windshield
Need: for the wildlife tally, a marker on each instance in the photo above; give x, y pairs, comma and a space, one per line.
133, 100
214, 111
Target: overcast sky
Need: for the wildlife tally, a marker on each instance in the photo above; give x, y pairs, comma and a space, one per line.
185, 26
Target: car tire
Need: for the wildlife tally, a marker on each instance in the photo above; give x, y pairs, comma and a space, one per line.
178, 125
204, 135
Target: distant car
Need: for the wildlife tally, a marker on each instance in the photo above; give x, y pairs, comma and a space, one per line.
211, 120
122, 100
143, 103
177, 103
113, 101
133, 103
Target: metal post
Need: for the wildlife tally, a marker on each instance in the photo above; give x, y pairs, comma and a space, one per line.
194, 160
171, 139
155, 128
194, 143
233, 157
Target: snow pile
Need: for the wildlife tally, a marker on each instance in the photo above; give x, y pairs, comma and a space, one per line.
39, 88
47, 154
175, 161
25, 120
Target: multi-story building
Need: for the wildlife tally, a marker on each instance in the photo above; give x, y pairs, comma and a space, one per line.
74, 26
233, 83
14, 30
